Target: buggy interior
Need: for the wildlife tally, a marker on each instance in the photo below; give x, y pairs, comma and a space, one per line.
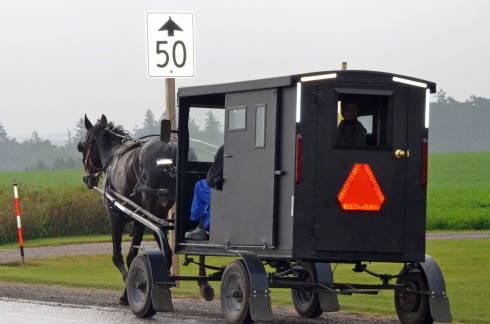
374, 115
203, 130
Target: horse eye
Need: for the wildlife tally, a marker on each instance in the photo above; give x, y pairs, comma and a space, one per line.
80, 147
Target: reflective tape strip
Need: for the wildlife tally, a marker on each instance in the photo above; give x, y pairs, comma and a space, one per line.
17, 207
292, 206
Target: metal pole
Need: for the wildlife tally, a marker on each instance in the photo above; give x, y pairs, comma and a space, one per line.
170, 109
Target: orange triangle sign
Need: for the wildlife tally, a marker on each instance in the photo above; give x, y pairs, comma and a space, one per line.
361, 190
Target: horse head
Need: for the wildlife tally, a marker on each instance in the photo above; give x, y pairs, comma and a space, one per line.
98, 147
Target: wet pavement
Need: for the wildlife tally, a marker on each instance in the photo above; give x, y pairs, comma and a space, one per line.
28, 312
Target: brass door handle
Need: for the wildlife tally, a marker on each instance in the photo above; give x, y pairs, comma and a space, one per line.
400, 154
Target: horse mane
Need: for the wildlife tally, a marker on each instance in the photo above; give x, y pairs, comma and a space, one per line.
117, 129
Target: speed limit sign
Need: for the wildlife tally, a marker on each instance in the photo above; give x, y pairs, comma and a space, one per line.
170, 44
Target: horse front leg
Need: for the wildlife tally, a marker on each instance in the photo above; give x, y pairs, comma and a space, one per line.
117, 228
137, 234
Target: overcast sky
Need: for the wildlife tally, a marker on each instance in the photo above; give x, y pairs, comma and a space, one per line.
62, 59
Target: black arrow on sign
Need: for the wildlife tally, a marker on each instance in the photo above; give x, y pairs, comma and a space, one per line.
170, 26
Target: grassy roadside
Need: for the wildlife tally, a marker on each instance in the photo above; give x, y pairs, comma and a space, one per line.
463, 262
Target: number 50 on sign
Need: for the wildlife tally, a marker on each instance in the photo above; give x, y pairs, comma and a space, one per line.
170, 44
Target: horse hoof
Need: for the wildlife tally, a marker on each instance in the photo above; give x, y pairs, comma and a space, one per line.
123, 301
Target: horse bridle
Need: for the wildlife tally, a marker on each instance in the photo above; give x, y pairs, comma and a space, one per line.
91, 170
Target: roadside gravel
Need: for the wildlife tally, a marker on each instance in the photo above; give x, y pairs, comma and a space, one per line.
10, 255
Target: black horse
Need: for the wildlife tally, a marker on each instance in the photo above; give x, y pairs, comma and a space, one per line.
131, 170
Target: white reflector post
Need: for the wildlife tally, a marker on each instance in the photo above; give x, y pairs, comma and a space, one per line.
427, 107
298, 102
19, 224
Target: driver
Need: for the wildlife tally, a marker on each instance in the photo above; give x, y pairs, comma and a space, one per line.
200, 209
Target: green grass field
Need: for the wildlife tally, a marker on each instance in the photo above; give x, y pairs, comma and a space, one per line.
459, 191
42, 179
464, 264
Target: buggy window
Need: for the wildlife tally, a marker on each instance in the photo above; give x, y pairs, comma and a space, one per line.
363, 120
237, 118
206, 131
260, 126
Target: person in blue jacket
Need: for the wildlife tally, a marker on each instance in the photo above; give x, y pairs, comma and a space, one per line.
200, 209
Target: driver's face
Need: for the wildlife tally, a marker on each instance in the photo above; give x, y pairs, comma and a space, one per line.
351, 111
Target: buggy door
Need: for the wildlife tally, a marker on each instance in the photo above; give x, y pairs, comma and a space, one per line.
383, 111
249, 165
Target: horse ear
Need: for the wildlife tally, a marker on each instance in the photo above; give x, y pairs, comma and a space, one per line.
103, 121
88, 124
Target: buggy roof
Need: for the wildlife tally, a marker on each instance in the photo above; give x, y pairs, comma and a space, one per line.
348, 76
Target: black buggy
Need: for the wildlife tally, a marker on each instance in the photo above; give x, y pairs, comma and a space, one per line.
295, 199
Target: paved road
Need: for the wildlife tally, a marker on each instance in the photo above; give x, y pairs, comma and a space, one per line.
21, 311
24, 303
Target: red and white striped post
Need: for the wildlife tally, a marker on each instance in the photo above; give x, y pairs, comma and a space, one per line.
19, 225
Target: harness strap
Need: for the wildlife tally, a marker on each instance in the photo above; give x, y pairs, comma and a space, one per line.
125, 147
143, 188
152, 191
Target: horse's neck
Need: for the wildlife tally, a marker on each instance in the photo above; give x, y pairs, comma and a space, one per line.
119, 150
107, 155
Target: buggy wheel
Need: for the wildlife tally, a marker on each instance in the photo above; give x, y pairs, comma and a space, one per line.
235, 293
306, 301
139, 283
412, 307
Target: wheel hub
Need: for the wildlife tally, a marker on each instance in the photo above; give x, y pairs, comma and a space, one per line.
237, 293
140, 285
409, 300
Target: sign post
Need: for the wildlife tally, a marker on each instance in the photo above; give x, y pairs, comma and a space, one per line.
170, 101
170, 49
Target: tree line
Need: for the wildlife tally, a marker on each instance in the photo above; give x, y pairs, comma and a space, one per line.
454, 127
37, 154
459, 126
